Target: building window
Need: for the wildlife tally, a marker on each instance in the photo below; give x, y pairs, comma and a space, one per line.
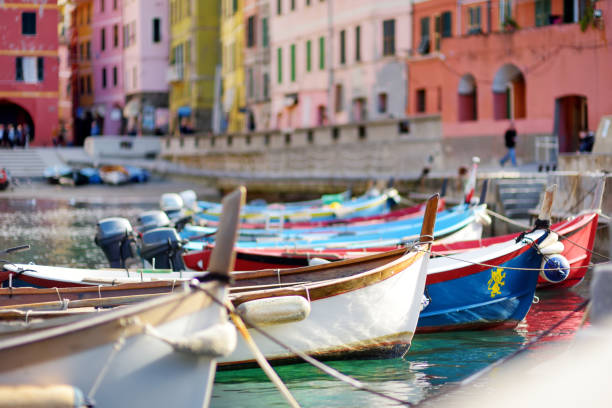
437, 32
133, 32
82, 85
115, 76
447, 26
251, 31
542, 13
279, 65
474, 20
40, 65
28, 23
126, 36
114, 4
234, 6
424, 44
103, 77
389, 37
157, 30
266, 86
88, 49
89, 14
19, 69
505, 11
292, 4
321, 53
292, 62
115, 36
308, 2
279, 7
420, 101
358, 43
308, 56
382, 102
102, 6
343, 47
338, 98
134, 78
81, 51
251, 84
103, 39
89, 84
264, 32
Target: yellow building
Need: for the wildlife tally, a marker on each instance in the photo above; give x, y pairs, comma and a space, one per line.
232, 46
194, 56
83, 14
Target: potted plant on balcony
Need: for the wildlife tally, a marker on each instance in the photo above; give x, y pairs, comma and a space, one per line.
510, 24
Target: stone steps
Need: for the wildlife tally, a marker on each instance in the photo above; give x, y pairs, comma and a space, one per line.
28, 162
518, 196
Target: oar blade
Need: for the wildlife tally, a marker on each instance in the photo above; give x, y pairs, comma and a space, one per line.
223, 255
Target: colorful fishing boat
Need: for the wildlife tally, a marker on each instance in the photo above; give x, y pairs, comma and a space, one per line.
125, 356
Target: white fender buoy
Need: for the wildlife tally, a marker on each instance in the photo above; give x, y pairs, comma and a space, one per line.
276, 310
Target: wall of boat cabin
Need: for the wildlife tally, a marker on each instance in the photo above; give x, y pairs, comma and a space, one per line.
108, 41
193, 59
541, 69
339, 62
145, 61
257, 64
29, 56
232, 73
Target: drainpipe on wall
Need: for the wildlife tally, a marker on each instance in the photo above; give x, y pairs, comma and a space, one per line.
330, 62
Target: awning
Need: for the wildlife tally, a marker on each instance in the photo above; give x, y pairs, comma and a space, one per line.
184, 111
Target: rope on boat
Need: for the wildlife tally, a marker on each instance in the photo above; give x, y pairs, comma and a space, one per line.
310, 360
586, 249
506, 219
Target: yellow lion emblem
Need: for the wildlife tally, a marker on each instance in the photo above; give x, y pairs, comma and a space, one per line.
497, 280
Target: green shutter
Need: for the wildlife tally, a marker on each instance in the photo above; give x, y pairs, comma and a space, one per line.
264, 30
279, 56
321, 52
292, 62
308, 54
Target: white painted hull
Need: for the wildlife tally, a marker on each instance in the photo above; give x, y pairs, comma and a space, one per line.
364, 320
144, 373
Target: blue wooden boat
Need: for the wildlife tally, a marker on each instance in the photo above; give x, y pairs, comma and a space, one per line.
448, 223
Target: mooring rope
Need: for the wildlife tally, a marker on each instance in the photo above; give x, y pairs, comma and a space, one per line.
310, 360
506, 219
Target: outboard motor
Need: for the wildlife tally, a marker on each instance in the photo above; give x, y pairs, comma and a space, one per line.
163, 248
171, 204
149, 220
116, 238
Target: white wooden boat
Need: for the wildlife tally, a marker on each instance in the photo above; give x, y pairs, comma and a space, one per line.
157, 353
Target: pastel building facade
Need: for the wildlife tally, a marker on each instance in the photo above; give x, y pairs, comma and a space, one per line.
65, 91
193, 59
29, 78
336, 62
232, 46
83, 76
542, 64
145, 61
107, 65
257, 64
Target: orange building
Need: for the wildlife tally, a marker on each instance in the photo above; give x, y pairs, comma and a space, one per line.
81, 55
546, 64
29, 74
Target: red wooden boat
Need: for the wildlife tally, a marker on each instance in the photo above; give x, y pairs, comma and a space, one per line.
577, 236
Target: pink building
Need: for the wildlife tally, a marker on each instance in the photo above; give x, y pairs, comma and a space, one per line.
146, 64
107, 65
29, 75
335, 62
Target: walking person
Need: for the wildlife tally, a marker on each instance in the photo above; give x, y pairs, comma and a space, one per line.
3, 136
19, 135
509, 139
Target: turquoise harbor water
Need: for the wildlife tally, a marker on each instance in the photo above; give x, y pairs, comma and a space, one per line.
61, 234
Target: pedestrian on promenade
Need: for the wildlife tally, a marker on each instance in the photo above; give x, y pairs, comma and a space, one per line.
11, 135
3, 136
509, 139
26, 135
19, 135
587, 140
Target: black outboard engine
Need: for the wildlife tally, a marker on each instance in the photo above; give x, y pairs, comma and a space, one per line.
149, 220
116, 238
163, 248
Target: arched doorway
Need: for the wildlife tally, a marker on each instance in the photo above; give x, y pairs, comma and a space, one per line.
509, 93
571, 116
11, 113
468, 100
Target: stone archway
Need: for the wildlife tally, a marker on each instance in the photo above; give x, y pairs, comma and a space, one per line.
12, 113
509, 93
468, 100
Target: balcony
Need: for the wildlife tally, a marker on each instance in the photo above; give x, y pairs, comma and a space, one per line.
175, 73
